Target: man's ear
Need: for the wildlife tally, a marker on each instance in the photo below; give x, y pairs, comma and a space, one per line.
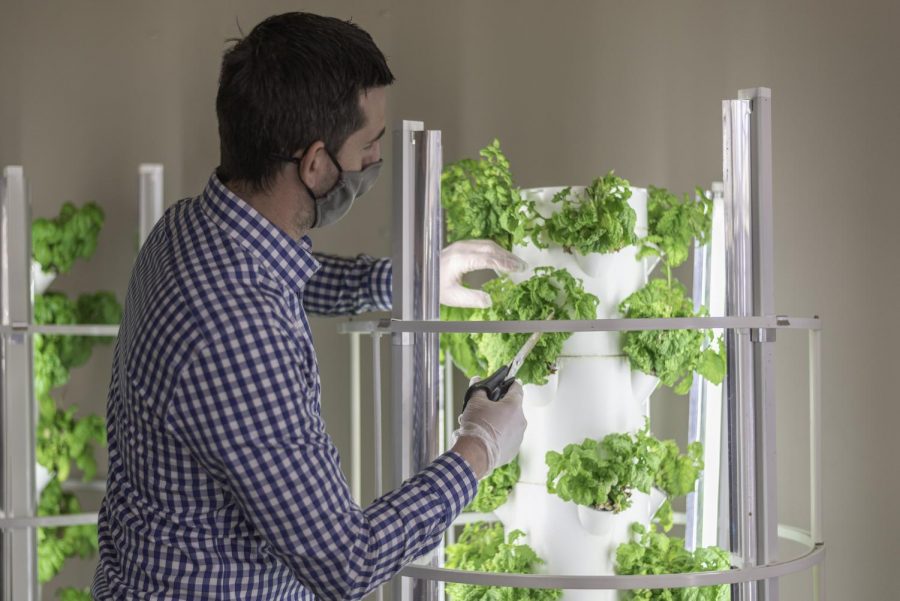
315, 165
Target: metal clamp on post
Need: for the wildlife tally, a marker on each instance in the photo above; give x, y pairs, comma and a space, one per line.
762, 335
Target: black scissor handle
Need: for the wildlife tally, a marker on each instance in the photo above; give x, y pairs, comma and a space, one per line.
495, 386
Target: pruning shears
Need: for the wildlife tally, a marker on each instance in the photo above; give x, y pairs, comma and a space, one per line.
498, 383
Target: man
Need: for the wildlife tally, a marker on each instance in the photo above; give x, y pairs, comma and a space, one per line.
223, 483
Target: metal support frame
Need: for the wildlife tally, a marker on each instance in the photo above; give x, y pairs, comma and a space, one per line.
748, 415
741, 459
763, 339
18, 413
811, 559
377, 427
416, 260
637, 324
815, 457
355, 421
448, 419
814, 557
706, 399
747, 168
150, 198
18, 418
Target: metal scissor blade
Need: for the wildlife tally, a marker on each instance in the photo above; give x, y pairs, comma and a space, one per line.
523, 353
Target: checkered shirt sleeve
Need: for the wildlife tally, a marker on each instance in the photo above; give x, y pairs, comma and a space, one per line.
244, 413
349, 286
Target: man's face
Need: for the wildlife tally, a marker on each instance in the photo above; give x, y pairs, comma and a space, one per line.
363, 147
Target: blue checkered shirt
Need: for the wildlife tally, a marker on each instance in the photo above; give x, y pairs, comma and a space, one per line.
222, 481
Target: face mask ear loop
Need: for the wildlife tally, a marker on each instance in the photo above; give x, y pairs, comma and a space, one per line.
315, 201
334, 160
299, 163
309, 191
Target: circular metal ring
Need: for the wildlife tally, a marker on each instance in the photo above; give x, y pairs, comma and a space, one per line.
813, 557
588, 325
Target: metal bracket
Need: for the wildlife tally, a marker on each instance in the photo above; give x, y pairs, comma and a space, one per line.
758, 335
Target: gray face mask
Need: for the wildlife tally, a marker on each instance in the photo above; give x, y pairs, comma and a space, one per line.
334, 204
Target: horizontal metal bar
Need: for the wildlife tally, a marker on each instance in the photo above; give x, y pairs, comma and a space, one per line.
389, 326
813, 557
73, 330
79, 486
472, 517
48, 521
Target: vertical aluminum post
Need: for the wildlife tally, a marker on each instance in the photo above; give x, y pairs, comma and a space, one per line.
17, 419
150, 198
697, 401
763, 249
449, 418
416, 259
377, 430
705, 410
355, 420
404, 286
739, 301
433, 241
376, 426
815, 456
747, 165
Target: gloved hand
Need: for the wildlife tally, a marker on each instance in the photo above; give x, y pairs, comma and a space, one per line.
498, 425
471, 255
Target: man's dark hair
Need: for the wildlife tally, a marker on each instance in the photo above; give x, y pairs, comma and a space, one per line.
295, 79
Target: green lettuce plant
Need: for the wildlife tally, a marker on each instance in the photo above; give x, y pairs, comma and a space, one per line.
74, 594
549, 292
493, 491
604, 474
49, 371
55, 308
480, 200
671, 355
598, 220
56, 545
673, 224
676, 476
63, 440
482, 547
654, 552
463, 348
56, 243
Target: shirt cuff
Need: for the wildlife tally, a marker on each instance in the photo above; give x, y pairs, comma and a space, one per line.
380, 284
452, 477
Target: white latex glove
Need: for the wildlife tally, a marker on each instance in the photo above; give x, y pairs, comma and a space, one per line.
499, 425
471, 255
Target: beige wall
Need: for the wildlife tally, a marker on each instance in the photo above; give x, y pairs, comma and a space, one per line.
89, 89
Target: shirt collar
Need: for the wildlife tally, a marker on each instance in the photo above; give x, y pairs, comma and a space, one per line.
290, 260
